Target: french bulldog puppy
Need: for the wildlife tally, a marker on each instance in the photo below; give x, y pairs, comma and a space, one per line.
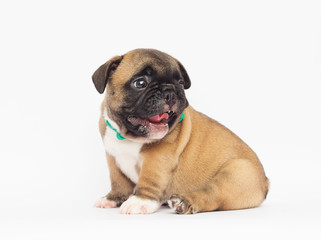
159, 149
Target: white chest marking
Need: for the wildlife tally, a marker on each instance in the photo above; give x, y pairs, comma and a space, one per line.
126, 152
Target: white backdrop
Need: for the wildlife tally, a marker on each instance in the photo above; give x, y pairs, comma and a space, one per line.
255, 66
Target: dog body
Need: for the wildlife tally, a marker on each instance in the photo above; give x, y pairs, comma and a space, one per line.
160, 150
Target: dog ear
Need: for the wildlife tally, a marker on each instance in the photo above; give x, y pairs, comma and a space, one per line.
104, 72
187, 81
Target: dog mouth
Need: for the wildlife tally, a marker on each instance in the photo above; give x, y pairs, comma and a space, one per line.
159, 119
162, 118
155, 126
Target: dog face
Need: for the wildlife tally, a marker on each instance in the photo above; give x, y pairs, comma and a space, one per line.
145, 93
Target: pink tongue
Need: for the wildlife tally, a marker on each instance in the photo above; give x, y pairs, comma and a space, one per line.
158, 118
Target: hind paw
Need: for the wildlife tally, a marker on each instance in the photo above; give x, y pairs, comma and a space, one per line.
180, 205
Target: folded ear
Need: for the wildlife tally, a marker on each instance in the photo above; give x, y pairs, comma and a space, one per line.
104, 72
187, 81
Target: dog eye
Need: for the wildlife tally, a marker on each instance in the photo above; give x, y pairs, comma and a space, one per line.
181, 81
140, 83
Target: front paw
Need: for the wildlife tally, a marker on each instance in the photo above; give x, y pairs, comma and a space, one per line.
105, 203
137, 205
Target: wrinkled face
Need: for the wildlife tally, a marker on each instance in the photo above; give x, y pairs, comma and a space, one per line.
145, 94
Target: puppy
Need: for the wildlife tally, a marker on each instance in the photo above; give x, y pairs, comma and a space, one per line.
159, 149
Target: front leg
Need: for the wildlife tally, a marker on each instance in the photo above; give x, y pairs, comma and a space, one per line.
155, 174
121, 187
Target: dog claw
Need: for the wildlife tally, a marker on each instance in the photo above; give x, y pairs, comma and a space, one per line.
179, 209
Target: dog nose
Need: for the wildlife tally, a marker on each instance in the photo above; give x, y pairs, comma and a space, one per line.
170, 98
168, 94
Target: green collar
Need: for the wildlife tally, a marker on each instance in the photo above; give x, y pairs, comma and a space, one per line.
120, 137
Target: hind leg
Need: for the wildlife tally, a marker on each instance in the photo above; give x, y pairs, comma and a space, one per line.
239, 184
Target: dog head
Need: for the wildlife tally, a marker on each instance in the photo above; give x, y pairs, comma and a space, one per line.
144, 93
